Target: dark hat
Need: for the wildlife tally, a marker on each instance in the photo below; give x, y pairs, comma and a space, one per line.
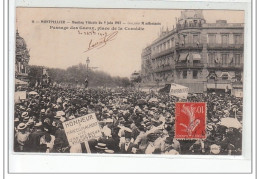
141, 128
128, 135
101, 146
58, 141
151, 137
169, 140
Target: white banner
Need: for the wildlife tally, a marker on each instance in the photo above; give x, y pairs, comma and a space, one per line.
19, 95
82, 129
179, 91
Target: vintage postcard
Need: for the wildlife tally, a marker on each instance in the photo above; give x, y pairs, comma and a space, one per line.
129, 81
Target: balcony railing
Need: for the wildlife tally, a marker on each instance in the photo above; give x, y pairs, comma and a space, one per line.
190, 46
229, 65
163, 52
223, 25
189, 65
212, 81
162, 68
226, 46
188, 26
21, 74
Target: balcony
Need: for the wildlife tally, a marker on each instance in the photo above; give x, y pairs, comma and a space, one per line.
21, 74
188, 26
189, 65
219, 80
216, 46
225, 66
164, 52
162, 68
189, 46
223, 25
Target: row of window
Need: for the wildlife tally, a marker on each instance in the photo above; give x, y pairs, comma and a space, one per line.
171, 43
224, 58
225, 39
195, 39
194, 74
163, 46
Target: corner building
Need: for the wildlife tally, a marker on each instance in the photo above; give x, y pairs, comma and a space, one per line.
202, 56
22, 58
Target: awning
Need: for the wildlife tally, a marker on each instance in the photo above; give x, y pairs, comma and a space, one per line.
20, 82
196, 56
183, 56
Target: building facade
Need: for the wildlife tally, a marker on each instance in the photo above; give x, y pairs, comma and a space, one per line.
202, 56
21, 59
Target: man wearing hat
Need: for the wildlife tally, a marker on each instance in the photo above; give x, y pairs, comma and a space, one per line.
25, 117
141, 140
198, 147
21, 136
33, 144
60, 134
109, 141
151, 147
169, 149
126, 148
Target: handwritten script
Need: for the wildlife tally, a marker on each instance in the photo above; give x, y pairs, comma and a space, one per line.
101, 42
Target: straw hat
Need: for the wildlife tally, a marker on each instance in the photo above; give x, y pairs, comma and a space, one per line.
59, 114
39, 124
109, 151
24, 114
21, 126
101, 146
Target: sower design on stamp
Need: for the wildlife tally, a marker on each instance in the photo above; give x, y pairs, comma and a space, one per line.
190, 120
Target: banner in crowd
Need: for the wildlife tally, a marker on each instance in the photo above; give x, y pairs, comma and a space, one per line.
179, 91
82, 129
19, 95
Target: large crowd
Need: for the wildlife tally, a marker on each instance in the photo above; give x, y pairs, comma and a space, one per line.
132, 122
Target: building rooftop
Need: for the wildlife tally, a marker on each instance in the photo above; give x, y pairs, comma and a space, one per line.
191, 14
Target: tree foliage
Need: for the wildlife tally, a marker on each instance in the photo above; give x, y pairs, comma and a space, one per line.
76, 75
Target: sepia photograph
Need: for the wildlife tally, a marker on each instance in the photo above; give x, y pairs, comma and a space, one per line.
128, 81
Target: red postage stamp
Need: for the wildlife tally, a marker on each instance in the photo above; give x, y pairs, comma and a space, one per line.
190, 120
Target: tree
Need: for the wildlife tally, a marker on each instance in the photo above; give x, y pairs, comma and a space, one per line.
77, 74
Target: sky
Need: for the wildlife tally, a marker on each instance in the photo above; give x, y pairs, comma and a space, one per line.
120, 56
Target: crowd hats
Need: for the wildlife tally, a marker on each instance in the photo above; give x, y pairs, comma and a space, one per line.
169, 140
43, 111
109, 151
58, 141
21, 126
101, 146
39, 124
30, 121
59, 114
151, 137
128, 134
24, 114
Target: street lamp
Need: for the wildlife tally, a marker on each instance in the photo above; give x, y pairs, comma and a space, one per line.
87, 61
86, 80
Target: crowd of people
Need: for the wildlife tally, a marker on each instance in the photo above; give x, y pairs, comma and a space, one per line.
132, 122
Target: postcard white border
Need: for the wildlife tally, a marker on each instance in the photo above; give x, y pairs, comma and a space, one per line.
143, 163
